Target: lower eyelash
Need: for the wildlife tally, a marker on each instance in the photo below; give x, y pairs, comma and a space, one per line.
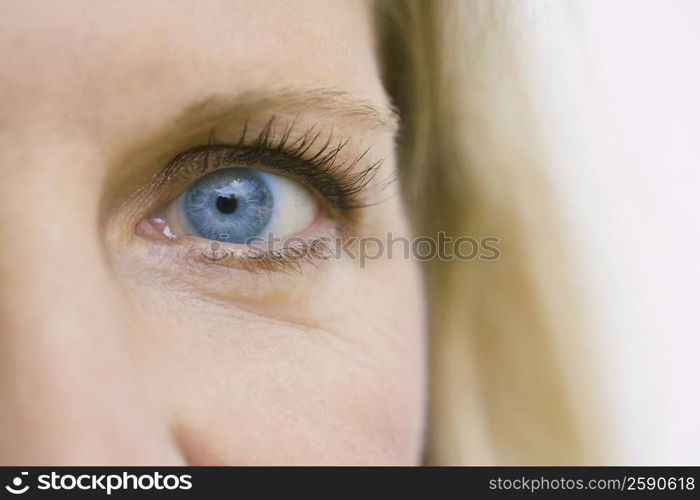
286, 259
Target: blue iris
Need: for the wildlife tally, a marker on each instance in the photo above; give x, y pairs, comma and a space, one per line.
231, 204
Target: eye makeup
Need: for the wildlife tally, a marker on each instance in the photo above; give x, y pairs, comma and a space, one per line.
342, 180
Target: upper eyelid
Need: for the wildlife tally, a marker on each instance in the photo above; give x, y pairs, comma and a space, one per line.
136, 183
348, 113
308, 157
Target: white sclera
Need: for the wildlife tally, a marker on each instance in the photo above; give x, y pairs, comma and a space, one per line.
294, 208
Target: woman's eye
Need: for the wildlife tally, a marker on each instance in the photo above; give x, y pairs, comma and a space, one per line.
234, 205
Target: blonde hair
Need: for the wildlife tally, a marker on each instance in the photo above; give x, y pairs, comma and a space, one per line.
508, 365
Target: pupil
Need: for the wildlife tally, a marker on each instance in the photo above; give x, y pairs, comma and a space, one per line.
226, 204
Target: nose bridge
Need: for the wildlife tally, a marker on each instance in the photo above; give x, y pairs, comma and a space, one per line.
68, 389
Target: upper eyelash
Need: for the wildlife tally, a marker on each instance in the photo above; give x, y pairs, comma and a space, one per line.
337, 181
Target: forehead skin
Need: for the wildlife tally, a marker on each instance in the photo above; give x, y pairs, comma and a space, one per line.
111, 59
332, 375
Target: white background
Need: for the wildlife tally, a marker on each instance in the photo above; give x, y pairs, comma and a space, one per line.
617, 86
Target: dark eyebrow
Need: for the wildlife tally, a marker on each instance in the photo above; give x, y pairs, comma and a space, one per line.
328, 102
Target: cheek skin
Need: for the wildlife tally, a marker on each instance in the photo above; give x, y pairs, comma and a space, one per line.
335, 376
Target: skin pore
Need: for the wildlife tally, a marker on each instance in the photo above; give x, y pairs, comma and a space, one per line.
119, 347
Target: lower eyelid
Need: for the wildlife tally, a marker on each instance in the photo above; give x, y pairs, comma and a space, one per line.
198, 256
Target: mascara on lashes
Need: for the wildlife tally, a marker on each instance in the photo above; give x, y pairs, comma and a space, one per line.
338, 182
